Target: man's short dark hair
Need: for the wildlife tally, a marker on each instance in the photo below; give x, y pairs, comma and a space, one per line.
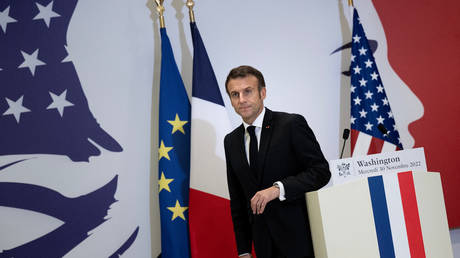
244, 71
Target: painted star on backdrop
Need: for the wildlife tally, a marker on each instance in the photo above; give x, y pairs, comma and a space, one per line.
177, 124
46, 13
177, 211
5, 18
163, 151
31, 61
59, 102
68, 58
164, 182
16, 108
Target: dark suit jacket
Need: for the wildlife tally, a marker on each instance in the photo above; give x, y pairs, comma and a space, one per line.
288, 152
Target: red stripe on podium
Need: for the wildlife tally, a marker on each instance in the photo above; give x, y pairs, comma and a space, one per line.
411, 215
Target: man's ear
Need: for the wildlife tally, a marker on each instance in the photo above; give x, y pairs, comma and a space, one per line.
263, 93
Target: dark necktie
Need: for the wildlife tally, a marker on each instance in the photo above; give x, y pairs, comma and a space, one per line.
252, 148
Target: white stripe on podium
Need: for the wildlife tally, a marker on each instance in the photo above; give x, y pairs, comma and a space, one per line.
396, 215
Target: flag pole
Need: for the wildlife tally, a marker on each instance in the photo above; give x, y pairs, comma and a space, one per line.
160, 8
190, 5
351, 8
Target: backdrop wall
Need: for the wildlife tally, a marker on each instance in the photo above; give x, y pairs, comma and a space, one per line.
115, 49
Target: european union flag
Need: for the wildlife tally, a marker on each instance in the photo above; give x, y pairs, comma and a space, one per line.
174, 156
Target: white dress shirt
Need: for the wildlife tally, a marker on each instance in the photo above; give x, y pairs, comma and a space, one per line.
247, 139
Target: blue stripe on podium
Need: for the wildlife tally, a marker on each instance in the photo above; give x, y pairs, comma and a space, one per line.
381, 218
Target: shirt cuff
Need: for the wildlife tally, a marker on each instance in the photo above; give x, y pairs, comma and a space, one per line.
242, 254
281, 187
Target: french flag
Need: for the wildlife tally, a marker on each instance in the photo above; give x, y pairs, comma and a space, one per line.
211, 231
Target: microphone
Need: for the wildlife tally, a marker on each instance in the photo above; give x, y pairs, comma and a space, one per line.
384, 131
346, 133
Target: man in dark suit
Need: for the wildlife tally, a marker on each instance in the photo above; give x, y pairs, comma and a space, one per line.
273, 159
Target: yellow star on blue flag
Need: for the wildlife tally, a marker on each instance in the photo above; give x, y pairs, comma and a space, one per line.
163, 151
163, 183
178, 211
177, 124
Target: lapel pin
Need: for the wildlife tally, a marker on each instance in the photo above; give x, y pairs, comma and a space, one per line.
267, 126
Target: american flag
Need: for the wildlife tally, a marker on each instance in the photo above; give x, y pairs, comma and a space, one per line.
370, 107
43, 109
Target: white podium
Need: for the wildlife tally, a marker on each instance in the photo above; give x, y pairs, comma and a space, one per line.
394, 215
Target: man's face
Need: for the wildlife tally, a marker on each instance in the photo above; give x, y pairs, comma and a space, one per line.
246, 99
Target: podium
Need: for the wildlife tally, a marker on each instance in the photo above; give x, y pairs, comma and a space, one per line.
392, 215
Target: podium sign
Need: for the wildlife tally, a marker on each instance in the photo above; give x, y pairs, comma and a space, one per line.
344, 170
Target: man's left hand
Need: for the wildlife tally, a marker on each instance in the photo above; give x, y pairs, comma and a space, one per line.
261, 198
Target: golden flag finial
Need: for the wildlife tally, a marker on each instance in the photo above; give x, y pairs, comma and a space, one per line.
160, 9
190, 5
350, 2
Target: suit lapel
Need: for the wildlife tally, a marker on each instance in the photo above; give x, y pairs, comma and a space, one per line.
265, 138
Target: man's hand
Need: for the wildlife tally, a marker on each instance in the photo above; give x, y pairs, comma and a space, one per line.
261, 198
